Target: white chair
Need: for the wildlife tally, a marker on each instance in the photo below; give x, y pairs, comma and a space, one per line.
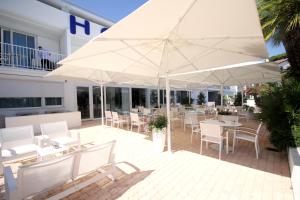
135, 110
43, 176
135, 121
17, 143
230, 118
116, 120
59, 134
146, 111
248, 134
189, 118
108, 117
213, 133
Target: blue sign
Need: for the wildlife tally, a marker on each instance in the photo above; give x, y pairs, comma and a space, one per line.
85, 25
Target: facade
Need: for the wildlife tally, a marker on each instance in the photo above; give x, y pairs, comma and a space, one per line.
34, 36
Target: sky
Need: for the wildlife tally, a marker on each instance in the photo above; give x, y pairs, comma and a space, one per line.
115, 10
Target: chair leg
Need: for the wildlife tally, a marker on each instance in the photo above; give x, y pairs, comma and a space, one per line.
220, 149
201, 147
227, 145
233, 143
256, 150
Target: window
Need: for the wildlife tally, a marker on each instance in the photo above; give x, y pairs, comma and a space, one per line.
117, 99
53, 101
138, 97
20, 102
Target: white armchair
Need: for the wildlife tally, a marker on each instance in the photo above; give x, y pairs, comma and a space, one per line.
248, 134
16, 143
59, 135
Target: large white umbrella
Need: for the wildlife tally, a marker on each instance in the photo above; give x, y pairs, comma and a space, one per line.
164, 38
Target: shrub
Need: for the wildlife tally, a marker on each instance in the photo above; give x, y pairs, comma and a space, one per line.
159, 123
280, 112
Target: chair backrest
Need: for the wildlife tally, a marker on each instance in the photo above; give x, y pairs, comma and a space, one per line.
16, 136
212, 130
147, 111
44, 175
108, 114
135, 110
55, 129
91, 159
140, 108
231, 118
115, 115
134, 117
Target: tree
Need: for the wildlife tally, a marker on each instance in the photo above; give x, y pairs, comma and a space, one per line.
281, 21
201, 98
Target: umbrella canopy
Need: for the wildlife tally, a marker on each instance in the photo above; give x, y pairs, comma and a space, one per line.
165, 37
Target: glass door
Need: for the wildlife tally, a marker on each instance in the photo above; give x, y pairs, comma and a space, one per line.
83, 102
97, 102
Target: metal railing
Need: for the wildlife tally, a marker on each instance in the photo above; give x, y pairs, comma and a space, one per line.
29, 58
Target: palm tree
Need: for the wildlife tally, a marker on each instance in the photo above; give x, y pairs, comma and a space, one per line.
281, 21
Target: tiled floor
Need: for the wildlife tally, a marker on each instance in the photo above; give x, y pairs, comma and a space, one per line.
185, 174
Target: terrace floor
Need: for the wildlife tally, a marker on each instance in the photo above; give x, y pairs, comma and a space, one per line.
185, 174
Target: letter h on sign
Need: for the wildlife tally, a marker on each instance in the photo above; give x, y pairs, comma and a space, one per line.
73, 24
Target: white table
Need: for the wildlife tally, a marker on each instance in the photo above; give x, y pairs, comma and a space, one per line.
223, 124
50, 151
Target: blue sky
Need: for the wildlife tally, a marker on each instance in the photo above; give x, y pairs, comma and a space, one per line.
115, 10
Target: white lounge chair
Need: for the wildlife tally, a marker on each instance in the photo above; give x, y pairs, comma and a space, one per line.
248, 134
60, 135
214, 134
43, 176
16, 143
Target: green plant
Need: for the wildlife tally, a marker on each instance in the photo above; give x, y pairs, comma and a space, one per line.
281, 22
238, 99
280, 111
200, 98
224, 112
159, 123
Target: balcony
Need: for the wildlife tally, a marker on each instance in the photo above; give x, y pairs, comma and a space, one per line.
28, 58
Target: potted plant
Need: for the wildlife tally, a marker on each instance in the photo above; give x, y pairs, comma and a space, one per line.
158, 127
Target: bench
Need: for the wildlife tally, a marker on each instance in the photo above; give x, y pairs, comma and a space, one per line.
43, 176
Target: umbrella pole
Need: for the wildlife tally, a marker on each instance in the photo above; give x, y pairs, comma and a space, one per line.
189, 97
168, 114
222, 93
102, 104
242, 93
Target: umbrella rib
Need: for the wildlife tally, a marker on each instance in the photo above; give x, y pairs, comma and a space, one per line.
190, 62
143, 56
140, 58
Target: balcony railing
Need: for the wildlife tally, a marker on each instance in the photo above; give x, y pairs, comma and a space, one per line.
29, 58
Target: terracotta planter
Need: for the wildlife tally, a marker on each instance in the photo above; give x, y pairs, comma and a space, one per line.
159, 140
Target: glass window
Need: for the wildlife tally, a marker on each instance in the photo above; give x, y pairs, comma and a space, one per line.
117, 99
53, 101
97, 101
138, 97
153, 98
20, 102
83, 102
182, 97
